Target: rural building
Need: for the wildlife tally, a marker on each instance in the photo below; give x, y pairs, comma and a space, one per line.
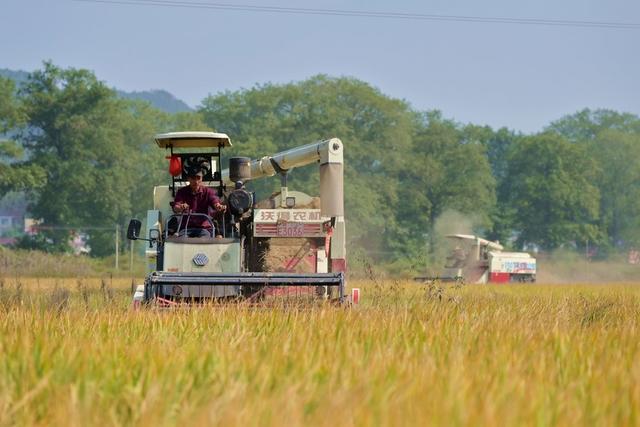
13, 210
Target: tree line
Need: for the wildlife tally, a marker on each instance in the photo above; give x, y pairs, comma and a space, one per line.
85, 157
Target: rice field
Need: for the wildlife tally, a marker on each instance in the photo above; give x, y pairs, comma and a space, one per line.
72, 353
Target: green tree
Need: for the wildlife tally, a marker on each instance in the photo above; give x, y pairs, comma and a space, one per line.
445, 170
497, 144
76, 131
189, 121
10, 114
376, 131
14, 176
612, 139
618, 154
552, 191
15, 173
586, 124
148, 166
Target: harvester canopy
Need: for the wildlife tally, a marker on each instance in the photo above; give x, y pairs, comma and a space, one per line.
478, 240
192, 140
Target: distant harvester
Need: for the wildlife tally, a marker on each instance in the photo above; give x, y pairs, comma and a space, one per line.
477, 260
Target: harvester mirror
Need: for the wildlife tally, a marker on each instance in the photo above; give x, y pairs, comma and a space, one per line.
133, 232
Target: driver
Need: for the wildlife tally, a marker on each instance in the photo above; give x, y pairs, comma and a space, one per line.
457, 258
197, 198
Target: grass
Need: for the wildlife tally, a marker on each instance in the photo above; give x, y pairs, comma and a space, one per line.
72, 353
45, 265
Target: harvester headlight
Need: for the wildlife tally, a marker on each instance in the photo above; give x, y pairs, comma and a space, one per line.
290, 202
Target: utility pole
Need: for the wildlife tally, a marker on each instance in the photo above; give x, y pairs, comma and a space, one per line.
117, 243
131, 256
586, 250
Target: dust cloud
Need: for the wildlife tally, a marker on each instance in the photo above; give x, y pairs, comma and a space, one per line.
567, 266
438, 245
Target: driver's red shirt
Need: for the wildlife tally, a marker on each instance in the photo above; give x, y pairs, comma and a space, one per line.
202, 202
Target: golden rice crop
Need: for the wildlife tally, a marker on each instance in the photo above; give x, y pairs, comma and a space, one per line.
72, 353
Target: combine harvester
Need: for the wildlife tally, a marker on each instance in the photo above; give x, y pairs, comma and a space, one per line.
477, 260
239, 263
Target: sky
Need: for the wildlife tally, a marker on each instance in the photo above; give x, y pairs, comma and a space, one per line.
518, 76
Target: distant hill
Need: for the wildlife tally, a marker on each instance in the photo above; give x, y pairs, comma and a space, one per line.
17, 76
160, 99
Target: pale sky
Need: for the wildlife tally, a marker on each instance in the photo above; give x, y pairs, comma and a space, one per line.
519, 76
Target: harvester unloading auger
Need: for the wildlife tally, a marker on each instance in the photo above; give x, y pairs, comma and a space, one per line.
232, 265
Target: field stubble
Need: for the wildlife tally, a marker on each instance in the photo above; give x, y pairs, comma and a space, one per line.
74, 354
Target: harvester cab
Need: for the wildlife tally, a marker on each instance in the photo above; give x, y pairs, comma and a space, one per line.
468, 257
291, 245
